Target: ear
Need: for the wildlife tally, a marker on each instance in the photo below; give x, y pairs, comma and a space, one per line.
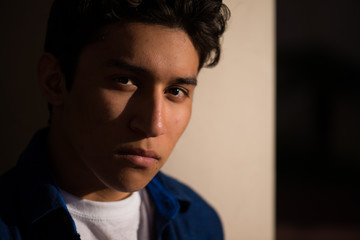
51, 79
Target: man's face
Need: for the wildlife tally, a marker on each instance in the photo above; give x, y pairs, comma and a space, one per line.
130, 102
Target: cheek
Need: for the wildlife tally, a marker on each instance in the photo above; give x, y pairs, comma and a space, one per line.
175, 129
110, 105
99, 108
91, 116
181, 121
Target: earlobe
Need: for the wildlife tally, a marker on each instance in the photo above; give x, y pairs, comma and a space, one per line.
51, 79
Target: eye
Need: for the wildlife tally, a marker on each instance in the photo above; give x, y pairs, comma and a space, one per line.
177, 93
124, 80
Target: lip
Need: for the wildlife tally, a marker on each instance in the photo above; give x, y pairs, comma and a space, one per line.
138, 157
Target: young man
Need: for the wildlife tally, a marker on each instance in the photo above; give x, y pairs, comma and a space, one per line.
119, 77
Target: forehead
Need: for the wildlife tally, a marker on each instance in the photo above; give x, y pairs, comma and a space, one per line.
147, 43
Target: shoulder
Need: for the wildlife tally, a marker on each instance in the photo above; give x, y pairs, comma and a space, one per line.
8, 202
179, 189
8, 187
196, 215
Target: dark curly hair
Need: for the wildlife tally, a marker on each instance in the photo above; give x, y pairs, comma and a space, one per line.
73, 24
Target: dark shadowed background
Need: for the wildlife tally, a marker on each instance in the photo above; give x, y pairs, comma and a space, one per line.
318, 119
21, 42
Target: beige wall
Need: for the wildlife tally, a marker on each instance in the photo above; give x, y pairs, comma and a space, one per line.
227, 152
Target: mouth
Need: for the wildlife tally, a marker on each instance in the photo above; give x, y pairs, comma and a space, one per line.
138, 157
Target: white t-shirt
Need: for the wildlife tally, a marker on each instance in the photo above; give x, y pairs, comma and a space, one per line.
128, 219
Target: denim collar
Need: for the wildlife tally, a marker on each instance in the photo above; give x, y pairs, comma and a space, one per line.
38, 193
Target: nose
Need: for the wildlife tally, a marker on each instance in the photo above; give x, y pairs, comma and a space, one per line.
149, 118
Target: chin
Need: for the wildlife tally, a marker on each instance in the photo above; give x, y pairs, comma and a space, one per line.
129, 181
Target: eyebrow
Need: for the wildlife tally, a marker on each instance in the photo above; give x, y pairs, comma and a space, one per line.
126, 66
119, 63
187, 81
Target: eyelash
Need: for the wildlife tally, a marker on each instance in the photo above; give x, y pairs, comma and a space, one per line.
184, 91
124, 78
168, 90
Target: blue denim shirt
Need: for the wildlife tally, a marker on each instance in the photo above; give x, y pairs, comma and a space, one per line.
31, 206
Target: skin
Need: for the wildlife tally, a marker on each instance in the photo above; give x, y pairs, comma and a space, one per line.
129, 103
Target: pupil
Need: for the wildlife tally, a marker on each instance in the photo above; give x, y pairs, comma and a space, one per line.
124, 80
176, 91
